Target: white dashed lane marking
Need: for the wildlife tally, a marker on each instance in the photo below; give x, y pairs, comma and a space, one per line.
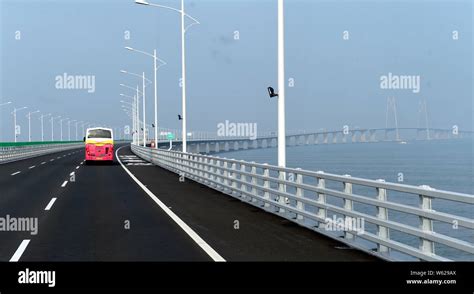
19, 251
15, 173
50, 204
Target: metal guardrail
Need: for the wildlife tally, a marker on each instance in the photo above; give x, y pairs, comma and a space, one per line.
14, 153
302, 196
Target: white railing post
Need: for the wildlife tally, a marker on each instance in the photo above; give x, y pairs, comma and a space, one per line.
254, 191
177, 163
183, 164
225, 175
426, 224
195, 164
348, 205
189, 165
200, 169
300, 206
218, 174
322, 213
382, 213
211, 172
233, 177
282, 200
266, 184
206, 171
243, 178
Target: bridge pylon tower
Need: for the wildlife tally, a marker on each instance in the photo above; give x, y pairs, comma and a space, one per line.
423, 117
392, 110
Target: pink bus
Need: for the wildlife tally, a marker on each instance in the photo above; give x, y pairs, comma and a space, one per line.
99, 144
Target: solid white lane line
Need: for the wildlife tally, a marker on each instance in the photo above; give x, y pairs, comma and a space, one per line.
43, 162
20, 251
191, 233
50, 204
33, 166
64, 184
15, 173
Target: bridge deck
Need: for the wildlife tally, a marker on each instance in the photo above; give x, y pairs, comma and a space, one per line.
261, 236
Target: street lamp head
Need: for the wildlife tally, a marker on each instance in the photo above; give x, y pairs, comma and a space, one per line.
143, 2
18, 109
129, 48
123, 71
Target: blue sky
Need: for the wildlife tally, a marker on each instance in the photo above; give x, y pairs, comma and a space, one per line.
337, 81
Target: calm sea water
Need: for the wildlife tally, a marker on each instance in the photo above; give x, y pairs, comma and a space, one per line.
444, 165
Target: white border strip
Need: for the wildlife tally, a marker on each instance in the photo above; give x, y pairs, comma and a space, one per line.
191, 233
19, 251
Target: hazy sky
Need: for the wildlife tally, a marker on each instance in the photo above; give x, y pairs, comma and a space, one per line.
336, 81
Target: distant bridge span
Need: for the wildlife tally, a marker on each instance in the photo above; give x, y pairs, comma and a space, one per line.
205, 144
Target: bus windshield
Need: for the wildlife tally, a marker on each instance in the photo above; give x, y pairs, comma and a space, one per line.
106, 134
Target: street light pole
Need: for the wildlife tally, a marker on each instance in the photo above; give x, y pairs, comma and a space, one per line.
133, 112
14, 122
281, 101
52, 128
138, 117
144, 112
14, 119
281, 86
61, 125
29, 124
156, 98
42, 125
183, 81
